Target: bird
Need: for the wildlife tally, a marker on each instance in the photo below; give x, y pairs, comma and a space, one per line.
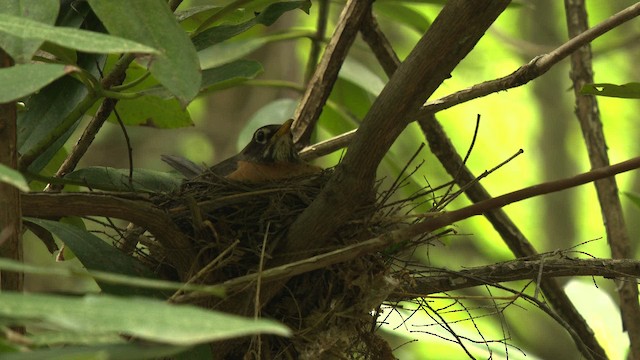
269, 156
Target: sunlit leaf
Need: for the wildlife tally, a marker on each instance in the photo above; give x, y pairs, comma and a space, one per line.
29, 78
145, 319
154, 112
635, 198
626, 91
227, 52
44, 11
13, 178
83, 40
266, 17
151, 22
358, 74
399, 13
221, 77
193, 17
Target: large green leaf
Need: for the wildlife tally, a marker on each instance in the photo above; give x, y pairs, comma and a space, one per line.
359, 75
221, 77
83, 40
29, 78
95, 254
227, 52
626, 91
142, 318
44, 11
230, 74
112, 278
266, 17
144, 180
154, 112
400, 13
13, 178
151, 22
47, 110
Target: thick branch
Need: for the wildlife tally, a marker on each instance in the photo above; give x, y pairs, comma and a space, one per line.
326, 73
441, 280
450, 38
588, 115
10, 224
138, 211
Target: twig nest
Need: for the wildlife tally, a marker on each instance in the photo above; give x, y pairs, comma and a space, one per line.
328, 309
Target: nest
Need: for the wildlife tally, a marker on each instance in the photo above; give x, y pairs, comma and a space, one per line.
330, 309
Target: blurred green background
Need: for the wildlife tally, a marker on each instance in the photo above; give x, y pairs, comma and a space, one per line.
537, 118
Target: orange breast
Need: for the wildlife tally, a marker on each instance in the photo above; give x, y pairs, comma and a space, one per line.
259, 172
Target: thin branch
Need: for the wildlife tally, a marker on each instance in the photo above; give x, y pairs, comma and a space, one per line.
316, 41
588, 115
535, 68
517, 242
82, 145
433, 222
326, 73
444, 150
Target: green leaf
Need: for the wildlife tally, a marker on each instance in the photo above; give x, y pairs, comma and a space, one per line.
144, 180
226, 52
266, 17
154, 112
359, 75
44, 11
221, 77
635, 198
29, 78
47, 109
95, 254
399, 13
108, 277
145, 319
151, 22
626, 91
13, 178
131, 351
87, 41
231, 74
193, 17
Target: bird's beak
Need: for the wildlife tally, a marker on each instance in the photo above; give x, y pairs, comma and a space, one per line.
284, 129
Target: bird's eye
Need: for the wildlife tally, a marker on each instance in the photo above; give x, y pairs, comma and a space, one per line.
260, 136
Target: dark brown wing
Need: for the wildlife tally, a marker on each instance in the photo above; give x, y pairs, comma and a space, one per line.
226, 167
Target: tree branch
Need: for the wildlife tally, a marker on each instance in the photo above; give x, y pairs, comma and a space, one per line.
444, 150
450, 38
10, 224
588, 115
326, 73
139, 211
535, 68
432, 281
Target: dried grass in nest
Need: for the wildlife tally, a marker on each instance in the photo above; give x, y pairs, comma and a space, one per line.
329, 309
